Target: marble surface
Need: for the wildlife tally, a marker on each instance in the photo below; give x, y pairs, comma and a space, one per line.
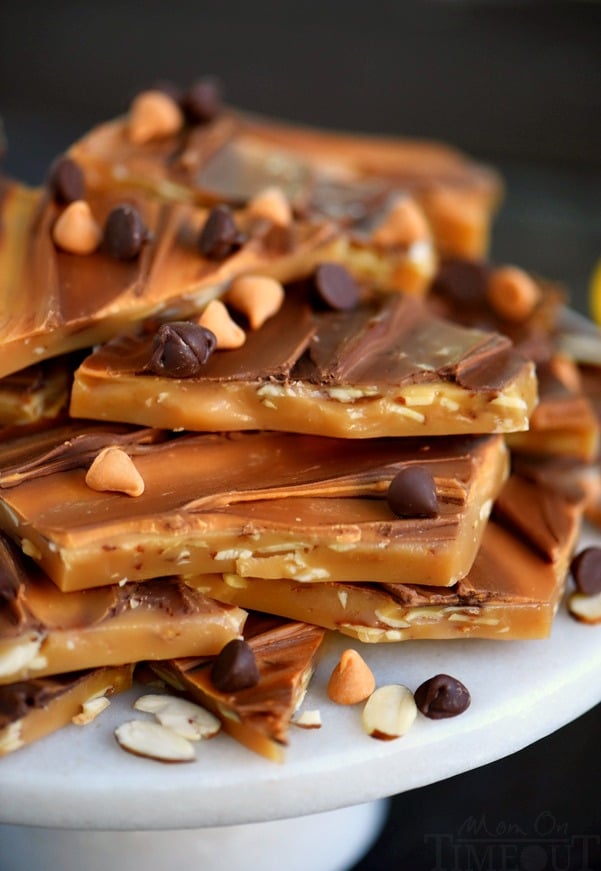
521, 691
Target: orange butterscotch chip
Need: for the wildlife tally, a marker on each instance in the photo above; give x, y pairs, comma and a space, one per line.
256, 296
512, 293
271, 204
153, 115
352, 680
216, 318
114, 470
75, 229
404, 225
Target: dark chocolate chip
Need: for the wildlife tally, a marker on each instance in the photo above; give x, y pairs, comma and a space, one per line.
586, 571
235, 668
442, 696
66, 180
181, 349
219, 237
336, 287
464, 281
412, 493
124, 233
202, 102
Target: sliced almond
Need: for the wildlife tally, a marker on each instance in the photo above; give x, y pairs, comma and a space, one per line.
114, 470
90, 710
389, 712
145, 738
585, 608
189, 720
352, 680
308, 719
272, 205
75, 230
216, 318
153, 115
256, 296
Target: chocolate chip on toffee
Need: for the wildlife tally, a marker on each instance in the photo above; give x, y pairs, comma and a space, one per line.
442, 696
336, 287
219, 237
180, 349
412, 493
586, 571
124, 232
464, 281
66, 180
235, 668
202, 102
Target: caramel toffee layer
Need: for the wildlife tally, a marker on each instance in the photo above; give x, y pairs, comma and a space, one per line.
32, 709
44, 631
387, 367
286, 654
338, 176
257, 504
511, 592
38, 392
54, 301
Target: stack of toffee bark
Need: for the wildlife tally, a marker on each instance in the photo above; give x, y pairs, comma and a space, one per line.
260, 381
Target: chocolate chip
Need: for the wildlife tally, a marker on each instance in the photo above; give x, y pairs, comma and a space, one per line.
412, 493
219, 237
66, 180
181, 349
464, 281
442, 696
124, 233
336, 287
202, 102
586, 571
235, 668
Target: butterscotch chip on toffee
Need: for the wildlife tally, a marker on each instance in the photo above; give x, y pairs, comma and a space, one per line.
259, 716
44, 631
32, 709
234, 156
385, 367
511, 592
258, 504
147, 263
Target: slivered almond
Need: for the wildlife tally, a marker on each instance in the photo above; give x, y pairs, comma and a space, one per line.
189, 720
145, 738
114, 470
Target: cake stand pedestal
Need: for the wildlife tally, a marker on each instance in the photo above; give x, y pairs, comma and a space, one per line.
91, 805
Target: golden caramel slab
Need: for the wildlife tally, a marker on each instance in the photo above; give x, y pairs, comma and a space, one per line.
44, 631
32, 709
341, 175
41, 391
258, 504
54, 301
511, 592
258, 717
385, 368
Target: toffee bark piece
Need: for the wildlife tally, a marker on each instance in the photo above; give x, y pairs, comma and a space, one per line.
37, 393
333, 175
386, 368
286, 655
44, 631
32, 709
56, 302
511, 592
258, 504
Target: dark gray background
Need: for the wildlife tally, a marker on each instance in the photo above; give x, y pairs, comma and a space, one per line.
517, 84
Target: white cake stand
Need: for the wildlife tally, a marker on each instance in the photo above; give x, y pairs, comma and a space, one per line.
77, 802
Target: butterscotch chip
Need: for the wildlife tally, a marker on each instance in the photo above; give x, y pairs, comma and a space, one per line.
271, 204
153, 115
113, 469
352, 680
404, 225
217, 320
257, 297
512, 293
75, 229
